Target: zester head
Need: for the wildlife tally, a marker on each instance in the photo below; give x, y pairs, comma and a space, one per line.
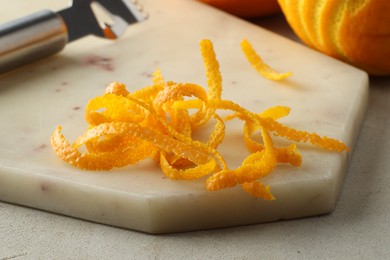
103, 18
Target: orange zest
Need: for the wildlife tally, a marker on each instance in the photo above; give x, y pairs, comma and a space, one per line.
159, 121
261, 67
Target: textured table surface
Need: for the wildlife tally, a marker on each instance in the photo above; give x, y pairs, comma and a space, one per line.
357, 228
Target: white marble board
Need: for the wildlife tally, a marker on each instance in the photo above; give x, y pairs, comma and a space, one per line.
325, 95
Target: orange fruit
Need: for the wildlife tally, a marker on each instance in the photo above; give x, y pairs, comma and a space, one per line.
246, 8
354, 31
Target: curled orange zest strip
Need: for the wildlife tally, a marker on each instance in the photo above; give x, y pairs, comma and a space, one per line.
261, 67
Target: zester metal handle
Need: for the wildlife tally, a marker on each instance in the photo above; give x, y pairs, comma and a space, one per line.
31, 38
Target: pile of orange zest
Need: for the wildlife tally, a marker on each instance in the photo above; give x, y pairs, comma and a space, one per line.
158, 122
261, 67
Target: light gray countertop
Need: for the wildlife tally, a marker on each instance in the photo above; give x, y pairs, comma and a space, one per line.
358, 228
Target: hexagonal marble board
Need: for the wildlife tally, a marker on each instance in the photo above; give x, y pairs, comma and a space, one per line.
325, 95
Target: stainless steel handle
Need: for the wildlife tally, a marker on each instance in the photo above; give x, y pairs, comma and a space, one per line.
31, 38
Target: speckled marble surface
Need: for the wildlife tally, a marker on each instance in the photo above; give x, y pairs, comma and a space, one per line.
357, 228
54, 91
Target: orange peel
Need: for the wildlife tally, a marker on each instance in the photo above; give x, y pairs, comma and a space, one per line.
257, 62
158, 122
